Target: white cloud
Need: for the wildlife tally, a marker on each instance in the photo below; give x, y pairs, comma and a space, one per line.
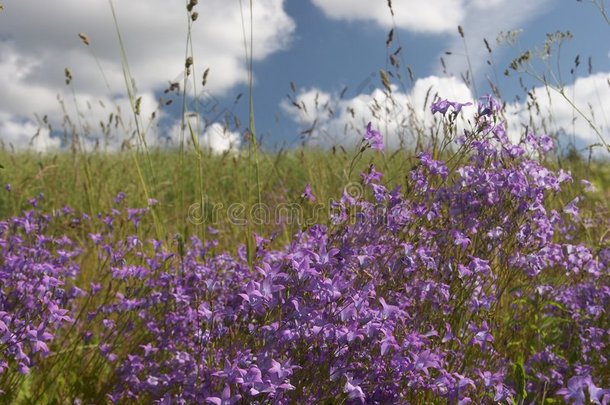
337, 121
436, 17
590, 94
90, 112
213, 137
408, 115
219, 139
39, 39
420, 16
25, 135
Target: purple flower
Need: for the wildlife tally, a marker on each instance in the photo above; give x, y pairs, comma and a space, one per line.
281, 370
390, 311
479, 266
373, 137
225, 399
96, 238
543, 143
574, 392
425, 360
37, 338
307, 194
442, 106
353, 391
459, 239
488, 105
572, 208
119, 198
482, 335
371, 175
435, 166
590, 188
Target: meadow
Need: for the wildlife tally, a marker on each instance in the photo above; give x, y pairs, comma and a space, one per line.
466, 269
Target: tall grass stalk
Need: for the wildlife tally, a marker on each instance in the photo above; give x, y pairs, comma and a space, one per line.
190, 72
79, 153
135, 106
252, 141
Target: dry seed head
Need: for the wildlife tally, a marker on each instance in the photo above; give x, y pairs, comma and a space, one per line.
487, 45
138, 104
68, 75
411, 76
189, 62
390, 38
393, 60
84, 38
390, 7
205, 77
461, 31
385, 80
194, 16
191, 4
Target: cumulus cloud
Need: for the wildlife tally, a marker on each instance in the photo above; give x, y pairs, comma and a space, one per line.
213, 137
330, 120
552, 113
434, 17
25, 135
219, 139
429, 16
154, 32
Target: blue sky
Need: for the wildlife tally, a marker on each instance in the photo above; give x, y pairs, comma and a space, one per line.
330, 55
321, 46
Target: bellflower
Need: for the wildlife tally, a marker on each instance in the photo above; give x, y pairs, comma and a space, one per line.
373, 137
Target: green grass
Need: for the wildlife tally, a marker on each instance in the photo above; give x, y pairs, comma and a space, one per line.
225, 180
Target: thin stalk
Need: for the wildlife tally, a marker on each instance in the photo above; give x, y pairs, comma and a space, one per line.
474, 85
131, 93
253, 149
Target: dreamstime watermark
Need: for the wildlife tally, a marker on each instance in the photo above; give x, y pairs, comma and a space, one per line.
302, 213
240, 214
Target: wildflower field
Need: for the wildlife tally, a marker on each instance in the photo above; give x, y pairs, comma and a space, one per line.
471, 267
481, 276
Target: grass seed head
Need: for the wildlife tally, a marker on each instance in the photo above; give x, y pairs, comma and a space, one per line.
84, 38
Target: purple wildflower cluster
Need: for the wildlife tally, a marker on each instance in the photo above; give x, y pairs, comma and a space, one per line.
465, 286
35, 297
